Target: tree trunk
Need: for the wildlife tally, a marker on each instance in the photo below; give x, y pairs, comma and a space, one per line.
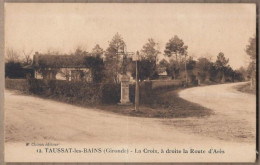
223, 80
186, 71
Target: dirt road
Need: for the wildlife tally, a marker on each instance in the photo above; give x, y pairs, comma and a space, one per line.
32, 119
235, 112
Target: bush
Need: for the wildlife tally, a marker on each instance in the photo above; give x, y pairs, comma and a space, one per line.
37, 86
17, 84
14, 70
111, 93
90, 93
77, 92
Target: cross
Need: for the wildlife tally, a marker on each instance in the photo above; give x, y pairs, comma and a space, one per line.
125, 54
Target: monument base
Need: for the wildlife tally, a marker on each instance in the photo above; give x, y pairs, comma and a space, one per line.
125, 91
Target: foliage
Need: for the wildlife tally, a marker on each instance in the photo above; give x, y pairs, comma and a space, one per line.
27, 60
149, 50
147, 63
191, 64
17, 84
14, 70
221, 66
76, 92
175, 46
163, 63
251, 51
203, 65
243, 72
80, 52
12, 55
97, 51
221, 61
251, 48
96, 66
111, 93
113, 58
174, 69
146, 70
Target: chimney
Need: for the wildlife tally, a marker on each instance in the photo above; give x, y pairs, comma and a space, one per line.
36, 59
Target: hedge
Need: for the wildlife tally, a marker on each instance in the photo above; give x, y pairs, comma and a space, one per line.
88, 93
17, 84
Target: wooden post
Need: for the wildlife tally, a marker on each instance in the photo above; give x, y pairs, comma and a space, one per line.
137, 88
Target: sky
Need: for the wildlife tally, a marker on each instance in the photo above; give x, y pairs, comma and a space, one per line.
206, 29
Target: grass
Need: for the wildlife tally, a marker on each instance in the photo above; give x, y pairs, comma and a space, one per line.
246, 88
162, 105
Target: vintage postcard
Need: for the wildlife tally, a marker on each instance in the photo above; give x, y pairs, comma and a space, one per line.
130, 82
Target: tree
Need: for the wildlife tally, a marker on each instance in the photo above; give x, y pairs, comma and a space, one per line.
251, 51
163, 63
80, 52
238, 76
173, 68
221, 65
149, 55
113, 58
175, 46
52, 51
251, 48
97, 51
27, 57
221, 60
243, 72
12, 55
190, 75
14, 70
96, 66
146, 70
203, 65
149, 50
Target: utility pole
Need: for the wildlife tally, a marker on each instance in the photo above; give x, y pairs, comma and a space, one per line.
137, 83
186, 70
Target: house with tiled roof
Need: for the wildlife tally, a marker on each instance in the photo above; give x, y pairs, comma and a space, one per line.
61, 67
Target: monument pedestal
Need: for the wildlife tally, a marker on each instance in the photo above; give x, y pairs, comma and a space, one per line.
125, 91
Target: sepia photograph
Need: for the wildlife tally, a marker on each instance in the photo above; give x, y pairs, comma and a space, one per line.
130, 82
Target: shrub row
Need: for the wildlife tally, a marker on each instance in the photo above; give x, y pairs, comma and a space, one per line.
77, 92
88, 93
17, 84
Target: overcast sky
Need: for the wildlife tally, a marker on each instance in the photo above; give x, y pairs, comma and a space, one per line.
207, 29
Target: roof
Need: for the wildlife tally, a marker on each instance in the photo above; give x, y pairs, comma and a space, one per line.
59, 61
161, 69
28, 67
163, 74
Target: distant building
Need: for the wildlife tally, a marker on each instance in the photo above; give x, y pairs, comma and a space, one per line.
61, 67
163, 74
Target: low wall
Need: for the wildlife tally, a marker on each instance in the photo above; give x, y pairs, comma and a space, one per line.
165, 84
